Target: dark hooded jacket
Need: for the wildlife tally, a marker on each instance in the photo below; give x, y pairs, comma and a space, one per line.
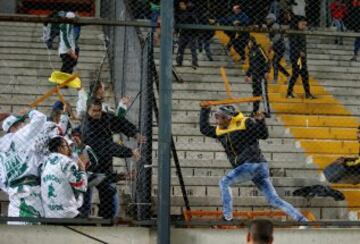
241, 142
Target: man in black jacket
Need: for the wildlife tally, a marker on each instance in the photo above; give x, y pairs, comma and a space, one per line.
97, 132
259, 69
185, 15
298, 59
240, 138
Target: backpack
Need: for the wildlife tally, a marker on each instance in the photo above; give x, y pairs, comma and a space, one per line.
320, 191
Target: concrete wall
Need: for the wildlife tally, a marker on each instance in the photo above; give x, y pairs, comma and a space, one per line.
119, 235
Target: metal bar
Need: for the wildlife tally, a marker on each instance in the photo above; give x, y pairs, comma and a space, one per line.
165, 106
143, 186
63, 221
106, 22
173, 147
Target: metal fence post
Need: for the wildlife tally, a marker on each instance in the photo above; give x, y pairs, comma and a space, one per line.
165, 98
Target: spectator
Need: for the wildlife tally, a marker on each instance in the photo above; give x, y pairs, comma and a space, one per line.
155, 18
240, 138
52, 30
260, 231
206, 36
354, 24
298, 59
97, 131
63, 181
60, 115
338, 13
312, 12
97, 90
67, 46
258, 71
238, 40
187, 37
260, 10
278, 46
275, 9
21, 165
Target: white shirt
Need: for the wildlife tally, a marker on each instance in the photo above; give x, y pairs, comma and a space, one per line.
62, 187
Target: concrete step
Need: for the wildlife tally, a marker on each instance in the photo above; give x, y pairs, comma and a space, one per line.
56, 63
94, 40
213, 191
214, 181
259, 202
44, 72
225, 165
216, 147
44, 57
85, 47
41, 81
44, 52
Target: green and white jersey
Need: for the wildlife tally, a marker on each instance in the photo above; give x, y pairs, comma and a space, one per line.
67, 38
62, 187
21, 158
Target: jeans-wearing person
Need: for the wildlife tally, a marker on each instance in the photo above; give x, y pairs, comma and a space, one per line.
258, 173
340, 27
239, 136
109, 201
356, 49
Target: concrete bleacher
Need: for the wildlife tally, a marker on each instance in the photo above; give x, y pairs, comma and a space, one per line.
25, 68
325, 123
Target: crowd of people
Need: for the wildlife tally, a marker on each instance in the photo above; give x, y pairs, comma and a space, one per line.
50, 165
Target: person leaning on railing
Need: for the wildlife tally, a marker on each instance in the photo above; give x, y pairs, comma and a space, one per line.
97, 131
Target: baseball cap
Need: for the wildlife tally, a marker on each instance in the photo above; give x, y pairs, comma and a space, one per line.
70, 15
228, 110
58, 105
10, 121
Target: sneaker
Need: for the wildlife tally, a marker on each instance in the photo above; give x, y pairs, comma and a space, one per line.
210, 58
195, 65
290, 95
354, 58
309, 96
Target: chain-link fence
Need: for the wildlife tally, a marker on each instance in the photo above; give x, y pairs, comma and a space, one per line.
248, 138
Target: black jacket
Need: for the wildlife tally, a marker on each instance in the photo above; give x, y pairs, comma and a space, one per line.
297, 45
98, 134
240, 145
259, 62
186, 17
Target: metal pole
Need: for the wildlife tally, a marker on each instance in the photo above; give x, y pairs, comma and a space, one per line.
165, 98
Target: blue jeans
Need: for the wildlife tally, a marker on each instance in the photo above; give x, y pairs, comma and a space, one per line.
339, 24
109, 201
258, 173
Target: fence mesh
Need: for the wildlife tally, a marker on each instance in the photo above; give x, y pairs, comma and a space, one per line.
265, 123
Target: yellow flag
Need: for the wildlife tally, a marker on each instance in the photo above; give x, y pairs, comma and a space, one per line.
59, 77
